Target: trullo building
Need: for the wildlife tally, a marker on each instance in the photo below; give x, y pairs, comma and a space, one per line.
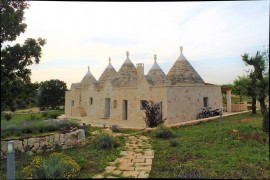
121, 95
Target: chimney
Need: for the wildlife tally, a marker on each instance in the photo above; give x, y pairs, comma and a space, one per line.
140, 70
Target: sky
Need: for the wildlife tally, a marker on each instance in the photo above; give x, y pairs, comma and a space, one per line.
214, 35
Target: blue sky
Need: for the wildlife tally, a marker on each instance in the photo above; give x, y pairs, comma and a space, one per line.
81, 34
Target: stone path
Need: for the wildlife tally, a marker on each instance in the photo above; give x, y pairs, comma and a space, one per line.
135, 161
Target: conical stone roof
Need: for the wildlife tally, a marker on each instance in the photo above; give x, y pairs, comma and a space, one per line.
127, 74
108, 74
156, 75
88, 78
183, 72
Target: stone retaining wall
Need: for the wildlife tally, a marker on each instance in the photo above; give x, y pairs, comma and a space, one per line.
49, 142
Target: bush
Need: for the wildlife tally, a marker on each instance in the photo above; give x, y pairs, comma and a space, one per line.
36, 127
32, 117
105, 141
44, 114
115, 128
153, 116
163, 131
57, 166
174, 142
7, 116
87, 129
54, 115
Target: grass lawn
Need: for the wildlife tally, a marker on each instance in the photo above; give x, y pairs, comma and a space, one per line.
237, 150
36, 116
26, 124
91, 160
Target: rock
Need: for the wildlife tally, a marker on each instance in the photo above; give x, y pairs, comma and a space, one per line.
36, 145
42, 139
31, 141
4, 146
81, 134
18, 145
56, 137
24, 143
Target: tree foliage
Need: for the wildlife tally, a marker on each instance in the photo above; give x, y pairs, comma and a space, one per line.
259, 63
51, 94
15, 60
247, 86
153, 115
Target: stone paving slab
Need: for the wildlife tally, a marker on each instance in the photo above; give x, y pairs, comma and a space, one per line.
135, 160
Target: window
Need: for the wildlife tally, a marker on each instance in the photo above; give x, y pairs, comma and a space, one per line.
72, 103
91, 101
143, 104
205, 102
114, 103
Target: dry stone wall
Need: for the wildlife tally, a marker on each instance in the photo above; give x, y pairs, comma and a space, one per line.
49, 142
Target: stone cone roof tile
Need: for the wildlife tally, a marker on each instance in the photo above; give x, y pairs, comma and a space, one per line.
156, 75
183, 72
76, 85
88, 78
127, 74
108, 74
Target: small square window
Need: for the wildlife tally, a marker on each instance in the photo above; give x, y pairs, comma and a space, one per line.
205, 102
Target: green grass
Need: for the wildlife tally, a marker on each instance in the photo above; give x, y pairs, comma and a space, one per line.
91, 160
23, 117
237, 150
26, 124
28, 128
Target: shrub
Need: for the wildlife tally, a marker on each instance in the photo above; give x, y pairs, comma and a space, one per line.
32, 117
105, 141
57, 166
44, 114
163, 131
174, 142
54, 115
36, 127
7, 116
115, 128
153, 116
86, 129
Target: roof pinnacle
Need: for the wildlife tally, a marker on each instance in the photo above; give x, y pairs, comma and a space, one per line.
155, 58
181, 49
127, 53
88, 68
109, 59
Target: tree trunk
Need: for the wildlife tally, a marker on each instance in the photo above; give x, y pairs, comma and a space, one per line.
254, 106
266, 122
241, 98
265, 112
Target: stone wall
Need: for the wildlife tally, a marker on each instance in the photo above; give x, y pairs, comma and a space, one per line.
186, 101
49, 142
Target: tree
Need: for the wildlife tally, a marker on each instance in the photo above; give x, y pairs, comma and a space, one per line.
52, 94
240, 86
247, 86
15, 74
153, 116
259, 63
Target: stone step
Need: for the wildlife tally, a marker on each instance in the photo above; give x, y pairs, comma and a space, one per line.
82, 111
